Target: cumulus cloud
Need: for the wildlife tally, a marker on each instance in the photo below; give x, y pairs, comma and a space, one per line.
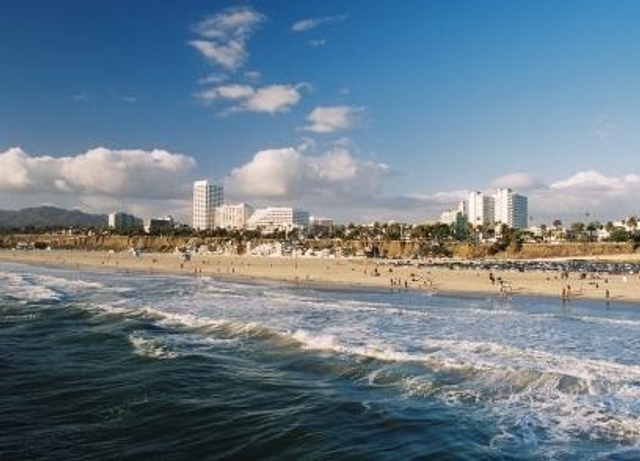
232, 92
517, 181
269, 99
583, 196
327, 119
100, 172
222, 38
587, 193
274, 98
442, 198
305, 25
289, 174
593, 180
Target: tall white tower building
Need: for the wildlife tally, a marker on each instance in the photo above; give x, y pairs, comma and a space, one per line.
206, 197
511, 209
480, 209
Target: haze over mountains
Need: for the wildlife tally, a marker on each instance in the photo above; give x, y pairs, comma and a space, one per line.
49, 216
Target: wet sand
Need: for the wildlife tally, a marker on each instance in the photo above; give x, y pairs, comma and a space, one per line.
347, 272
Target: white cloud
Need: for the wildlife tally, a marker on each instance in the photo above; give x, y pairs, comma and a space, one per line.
311, 23
593, 180
100, 172
232, 23
443, 198
222, 40
583, 196
222, 37
232, 92
587, 195
269, 99
327, 119
212, 79
317, 42
288, 174
229, 55
517, 181
252, 75
274, 98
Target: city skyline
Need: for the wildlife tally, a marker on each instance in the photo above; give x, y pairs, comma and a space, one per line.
356, 110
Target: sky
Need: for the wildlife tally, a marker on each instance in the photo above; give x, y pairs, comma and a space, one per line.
357, 110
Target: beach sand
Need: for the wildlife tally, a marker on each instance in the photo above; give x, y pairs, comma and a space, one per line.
345, 272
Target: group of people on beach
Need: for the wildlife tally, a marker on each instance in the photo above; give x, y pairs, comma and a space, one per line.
567, 294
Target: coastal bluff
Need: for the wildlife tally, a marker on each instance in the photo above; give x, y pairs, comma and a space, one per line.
392, 249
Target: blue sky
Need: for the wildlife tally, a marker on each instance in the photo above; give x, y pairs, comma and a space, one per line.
357, 110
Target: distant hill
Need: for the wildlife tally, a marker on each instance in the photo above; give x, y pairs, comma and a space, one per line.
48, 216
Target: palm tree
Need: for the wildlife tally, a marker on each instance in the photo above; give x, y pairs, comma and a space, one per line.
592, 227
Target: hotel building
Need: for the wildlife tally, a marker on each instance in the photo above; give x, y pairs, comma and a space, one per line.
206, 198
480, 209
278, 218
493, 210
511, 209
233, 216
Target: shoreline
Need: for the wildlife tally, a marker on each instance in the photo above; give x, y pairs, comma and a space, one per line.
350, 273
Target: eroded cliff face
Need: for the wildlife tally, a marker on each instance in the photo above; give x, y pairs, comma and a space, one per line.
94, 243
384, 249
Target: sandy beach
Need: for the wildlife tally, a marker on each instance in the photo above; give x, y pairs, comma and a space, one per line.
347, 272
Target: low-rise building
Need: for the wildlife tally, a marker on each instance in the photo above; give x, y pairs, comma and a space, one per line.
233, 216
161, 224
316, 221
278, 218
123, 221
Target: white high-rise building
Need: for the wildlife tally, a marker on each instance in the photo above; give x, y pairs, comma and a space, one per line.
278, 218
206, 197
511, 209
480, 209
233, 216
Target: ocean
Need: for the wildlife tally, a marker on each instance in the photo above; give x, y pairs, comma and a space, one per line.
116, 365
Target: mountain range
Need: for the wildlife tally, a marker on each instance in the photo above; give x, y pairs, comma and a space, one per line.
49, 216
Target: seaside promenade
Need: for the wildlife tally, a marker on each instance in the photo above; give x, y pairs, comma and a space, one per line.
356, 272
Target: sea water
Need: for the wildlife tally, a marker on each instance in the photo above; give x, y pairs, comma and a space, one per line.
112, 365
